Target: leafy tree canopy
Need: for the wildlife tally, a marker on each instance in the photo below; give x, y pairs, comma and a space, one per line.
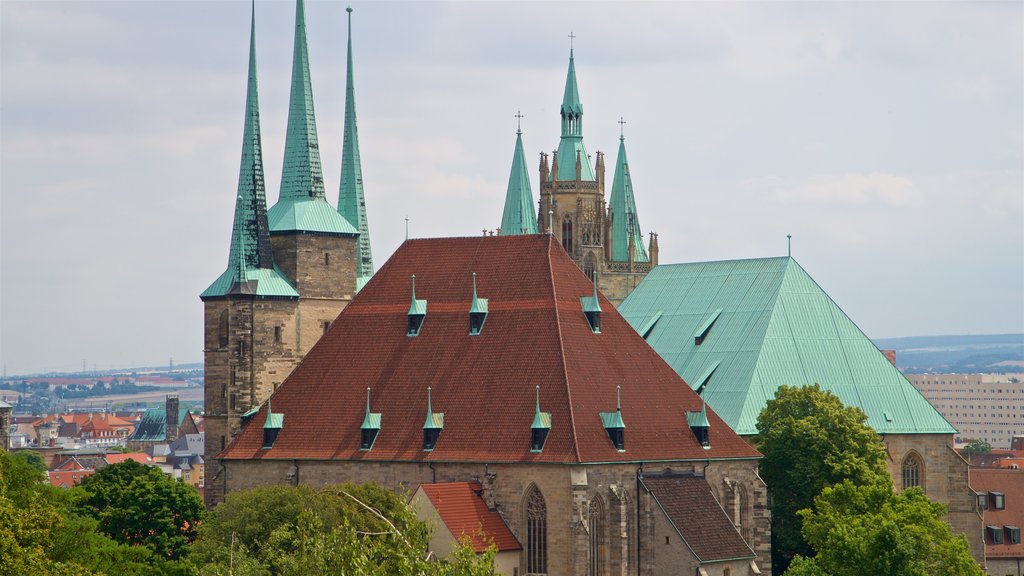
810, 441
344, 529
869, 529
33, 459
976, 447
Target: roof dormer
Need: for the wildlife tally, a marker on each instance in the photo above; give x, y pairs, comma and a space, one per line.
417, 312
699, 425
613, 423
432, 426
370, 427
592, 309
540, 427
477, 312
271, 427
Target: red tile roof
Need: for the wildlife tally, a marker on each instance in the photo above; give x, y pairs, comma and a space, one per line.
67, 478
140, 457
698, 517
1011, 484
464, 513
535, 334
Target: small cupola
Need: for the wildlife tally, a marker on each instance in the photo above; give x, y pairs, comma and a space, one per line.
272, 427
592, 309
432, 426
370, 427
477, 312
613, 423
540, 428
698, 422
417, 312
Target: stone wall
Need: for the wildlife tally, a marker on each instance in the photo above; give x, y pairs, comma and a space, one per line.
568, 491
945, 478
319, 265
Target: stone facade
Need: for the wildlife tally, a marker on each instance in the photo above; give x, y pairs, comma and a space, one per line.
944, 477
251, 345
5, 425
568, 493
577, 214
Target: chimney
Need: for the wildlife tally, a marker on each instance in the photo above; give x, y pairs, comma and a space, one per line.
891, 355
171, 426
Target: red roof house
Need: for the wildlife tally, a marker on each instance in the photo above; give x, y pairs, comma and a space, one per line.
1000, 493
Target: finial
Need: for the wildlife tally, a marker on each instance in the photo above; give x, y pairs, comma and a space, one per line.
789, 245
430, 409
622, 124
474, 285
618, 398
406, 227
551, 224
538, 398
349, 9
571, 38
367, 388
519, 121
414, 289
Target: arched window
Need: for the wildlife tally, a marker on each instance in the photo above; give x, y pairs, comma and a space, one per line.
913, 471
222, 330
567, 235
588, 266
596, 566
536, 532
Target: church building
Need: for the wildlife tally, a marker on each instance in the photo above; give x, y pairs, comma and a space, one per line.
603, 238
494, 361
291, 269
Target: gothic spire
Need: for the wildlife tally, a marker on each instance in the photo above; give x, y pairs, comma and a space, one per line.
571, 145
520, 215
302, 205
251, 267
625, 223
351, 202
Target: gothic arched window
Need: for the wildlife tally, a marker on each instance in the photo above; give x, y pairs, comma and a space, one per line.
567, 235
596, 525
222, 330
588, 266
913, 471
536, 532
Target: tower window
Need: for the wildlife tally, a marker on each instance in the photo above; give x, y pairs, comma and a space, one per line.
567, 235
277, 334
327, 326
327, 258
222, 330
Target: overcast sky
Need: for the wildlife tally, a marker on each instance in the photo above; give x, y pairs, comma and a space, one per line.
885, 137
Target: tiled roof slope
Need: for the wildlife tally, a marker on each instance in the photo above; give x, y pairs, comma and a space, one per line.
698, 517
1011, 484
535, 334
464, 513
776, 326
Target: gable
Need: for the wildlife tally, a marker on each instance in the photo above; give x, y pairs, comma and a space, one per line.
776, 326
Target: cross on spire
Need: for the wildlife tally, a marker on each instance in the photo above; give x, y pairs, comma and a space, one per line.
519, 121
622, 124
571, 38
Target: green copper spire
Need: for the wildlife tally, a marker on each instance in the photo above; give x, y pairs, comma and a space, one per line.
251, 267
302, 205
626, 224
520, 215
351, 202
571, 148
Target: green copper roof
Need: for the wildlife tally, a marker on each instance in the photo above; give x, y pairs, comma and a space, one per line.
273, 420
540, 419
777, 326
152, 426
251, 269
479, 305
698, 419
520, 215
625, 223
614, 419
570, 147
435, 420
417, 307
372, 419
351, 202
302, 206
591, 303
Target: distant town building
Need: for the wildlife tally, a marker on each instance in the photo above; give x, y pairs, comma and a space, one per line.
162, 425
1000, 498
987, 407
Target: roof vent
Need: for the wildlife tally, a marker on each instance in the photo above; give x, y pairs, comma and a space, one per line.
417, 312
370, 427
477, 312
705, 327
613, 423
432, 426
645, 330
592, 309
702, 382
272, 427
699, 425
540, 428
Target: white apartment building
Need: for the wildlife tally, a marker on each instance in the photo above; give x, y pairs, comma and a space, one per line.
987, 407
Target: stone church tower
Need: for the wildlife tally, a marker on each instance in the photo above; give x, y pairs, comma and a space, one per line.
291, 270
604, 239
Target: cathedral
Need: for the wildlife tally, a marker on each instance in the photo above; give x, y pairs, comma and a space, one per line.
603, 238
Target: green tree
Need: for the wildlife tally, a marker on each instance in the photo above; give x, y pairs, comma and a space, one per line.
140, 505
345, 529
31, 458
810, 441
869, 529
976, 447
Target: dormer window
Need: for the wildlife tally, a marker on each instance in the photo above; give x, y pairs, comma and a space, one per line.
998, 500
1012, 534
432, 426
614, 425
370, 427
417, 312
995, 534
982, 501
477, 312
540, 427
271, 427
592, 310
699, 425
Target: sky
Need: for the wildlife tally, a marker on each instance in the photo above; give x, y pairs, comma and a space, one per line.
887, 138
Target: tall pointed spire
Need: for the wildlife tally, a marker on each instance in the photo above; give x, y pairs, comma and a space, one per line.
302, 205
351, 202
251, 267
520, 215
625, 223
571, 147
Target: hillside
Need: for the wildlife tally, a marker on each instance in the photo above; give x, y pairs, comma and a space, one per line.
959, 354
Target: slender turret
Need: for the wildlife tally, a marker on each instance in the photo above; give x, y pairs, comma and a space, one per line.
520, 215
626, 233
351, 202
571, 147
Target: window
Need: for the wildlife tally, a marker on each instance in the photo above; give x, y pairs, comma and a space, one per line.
998, 500
327, 326
567, 235
536, 532
982, 501
596, 525
277, 334
415, 323
995, 534
1013, 534
327, 258
222, 330
913, 471
588, 267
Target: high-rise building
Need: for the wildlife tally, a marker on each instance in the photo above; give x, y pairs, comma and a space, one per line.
987, 407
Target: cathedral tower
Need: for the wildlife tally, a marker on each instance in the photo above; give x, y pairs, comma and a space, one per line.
518, 216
